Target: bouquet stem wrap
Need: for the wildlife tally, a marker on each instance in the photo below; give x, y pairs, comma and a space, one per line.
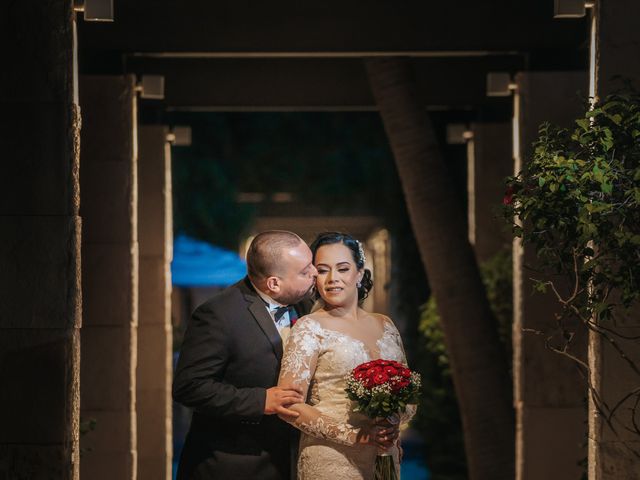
385, 465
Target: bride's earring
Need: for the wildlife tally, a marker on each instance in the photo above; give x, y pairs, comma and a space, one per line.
358, 284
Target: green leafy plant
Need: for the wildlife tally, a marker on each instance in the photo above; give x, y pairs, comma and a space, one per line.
577, 204
579, 199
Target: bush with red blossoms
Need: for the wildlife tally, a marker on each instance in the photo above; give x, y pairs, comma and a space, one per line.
382, 388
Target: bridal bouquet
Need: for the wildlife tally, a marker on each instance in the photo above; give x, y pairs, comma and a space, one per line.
383, 389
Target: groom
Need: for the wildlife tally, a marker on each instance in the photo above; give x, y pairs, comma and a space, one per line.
229, 364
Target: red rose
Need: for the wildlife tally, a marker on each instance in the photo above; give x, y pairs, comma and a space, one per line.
380, 378
403, 383
391, 371
405, 372
364, 367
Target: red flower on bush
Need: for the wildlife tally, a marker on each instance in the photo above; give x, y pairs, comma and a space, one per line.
508, 195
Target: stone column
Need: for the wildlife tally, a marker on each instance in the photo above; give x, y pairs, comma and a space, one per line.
490, 161
615, 45
109, 275
40, 299
549, 393
155, 366
378, 252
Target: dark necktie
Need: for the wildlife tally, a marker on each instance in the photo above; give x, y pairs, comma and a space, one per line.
280, 311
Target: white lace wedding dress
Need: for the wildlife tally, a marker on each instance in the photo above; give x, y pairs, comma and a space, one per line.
317, 359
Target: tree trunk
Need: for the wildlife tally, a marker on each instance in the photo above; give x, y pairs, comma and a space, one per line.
478, 361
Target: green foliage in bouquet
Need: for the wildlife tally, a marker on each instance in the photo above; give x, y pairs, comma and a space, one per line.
578, 205
381, 405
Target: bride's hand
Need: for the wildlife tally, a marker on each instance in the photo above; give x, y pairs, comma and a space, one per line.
381, 434
386, 433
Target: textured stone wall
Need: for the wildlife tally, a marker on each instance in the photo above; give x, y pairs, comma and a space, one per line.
40, 299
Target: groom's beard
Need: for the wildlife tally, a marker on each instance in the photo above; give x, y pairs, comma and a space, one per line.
297, 297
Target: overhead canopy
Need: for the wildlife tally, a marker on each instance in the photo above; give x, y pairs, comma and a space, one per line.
287, 55
199, 264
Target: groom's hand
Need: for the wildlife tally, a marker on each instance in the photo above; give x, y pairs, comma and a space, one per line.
278, 399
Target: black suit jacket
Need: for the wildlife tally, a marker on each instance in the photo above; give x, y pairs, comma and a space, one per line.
230, 355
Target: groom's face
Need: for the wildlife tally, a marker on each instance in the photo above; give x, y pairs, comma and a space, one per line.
298, 275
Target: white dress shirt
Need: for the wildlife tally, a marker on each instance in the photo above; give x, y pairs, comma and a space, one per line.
284, 323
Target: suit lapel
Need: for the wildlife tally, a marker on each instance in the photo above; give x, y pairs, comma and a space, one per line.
257, 308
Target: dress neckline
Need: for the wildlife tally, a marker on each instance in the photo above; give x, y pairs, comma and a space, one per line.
366, 349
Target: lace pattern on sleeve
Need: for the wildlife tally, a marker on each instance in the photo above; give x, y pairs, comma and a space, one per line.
298, 366
328, 429
301, 353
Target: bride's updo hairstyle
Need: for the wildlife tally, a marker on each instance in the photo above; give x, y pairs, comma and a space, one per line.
357, 252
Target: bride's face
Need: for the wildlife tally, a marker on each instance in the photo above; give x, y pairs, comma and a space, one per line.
337, 274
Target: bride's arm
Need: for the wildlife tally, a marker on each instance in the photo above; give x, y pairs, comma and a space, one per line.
298, 367
410, 410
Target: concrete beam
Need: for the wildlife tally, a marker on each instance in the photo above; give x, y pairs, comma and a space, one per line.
315, 83
334, 27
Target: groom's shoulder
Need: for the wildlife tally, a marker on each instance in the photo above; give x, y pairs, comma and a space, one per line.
229, 297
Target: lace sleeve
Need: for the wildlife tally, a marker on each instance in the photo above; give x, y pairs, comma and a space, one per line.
410, 410
298, 367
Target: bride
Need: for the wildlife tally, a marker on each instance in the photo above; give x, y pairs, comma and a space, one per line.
323, 347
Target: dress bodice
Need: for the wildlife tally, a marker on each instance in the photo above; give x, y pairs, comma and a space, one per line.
318, 359
338, 354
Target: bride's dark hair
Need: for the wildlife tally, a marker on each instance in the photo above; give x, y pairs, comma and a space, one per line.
357, 252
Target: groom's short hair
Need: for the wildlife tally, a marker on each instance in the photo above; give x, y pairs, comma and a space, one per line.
264, 256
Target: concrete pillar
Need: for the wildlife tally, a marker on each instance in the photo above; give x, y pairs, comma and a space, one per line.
378, 252
155, 367
109, 275
490, 161
549, 393
615, 43
40, 296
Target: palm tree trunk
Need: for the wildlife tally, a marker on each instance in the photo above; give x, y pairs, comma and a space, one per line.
478, 362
